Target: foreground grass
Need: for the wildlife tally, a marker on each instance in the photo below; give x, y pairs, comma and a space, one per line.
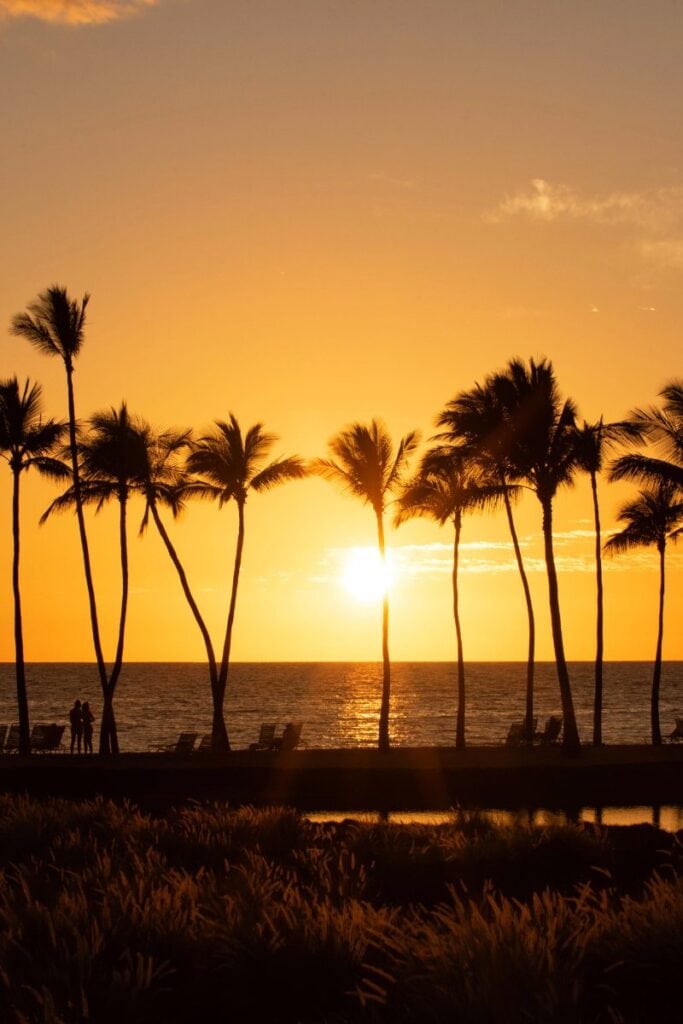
111, 915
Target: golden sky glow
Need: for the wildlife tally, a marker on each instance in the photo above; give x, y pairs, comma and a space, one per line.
312, 213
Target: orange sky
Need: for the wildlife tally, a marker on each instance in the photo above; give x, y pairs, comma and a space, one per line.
312, 213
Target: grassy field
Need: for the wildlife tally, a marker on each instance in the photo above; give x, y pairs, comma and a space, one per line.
108, 914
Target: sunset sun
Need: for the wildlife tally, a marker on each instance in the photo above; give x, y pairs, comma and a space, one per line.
364, 576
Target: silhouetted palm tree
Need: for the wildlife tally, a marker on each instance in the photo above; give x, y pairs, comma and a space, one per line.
662, 429
365, 463
477, 421
593, 441
112, 466
544, 456
229, 466
447, 485
165, 485
652, 519
55, 325
26, 442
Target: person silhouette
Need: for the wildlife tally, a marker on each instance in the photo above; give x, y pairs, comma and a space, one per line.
288, 734
76, 723
88, 719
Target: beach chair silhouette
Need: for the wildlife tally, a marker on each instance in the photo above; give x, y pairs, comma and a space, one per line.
677, 733
184, 745
12, 739
49, 738
290, 737
204, 744
516, 736
3, 736
266, 737
551, 731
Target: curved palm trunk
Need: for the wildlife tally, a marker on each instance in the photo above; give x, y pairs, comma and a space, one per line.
657, 674
109, 741
599, 640
570, 736
22, 698
530, 664
383, 741
460, 720
94, 624
217, 741
218, 720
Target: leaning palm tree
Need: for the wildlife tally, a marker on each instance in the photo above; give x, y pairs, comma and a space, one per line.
476, 422
165, 485
447, 485
543, 432
55, 325
366, 465
229, 465
652, 519
26, 442
112, 465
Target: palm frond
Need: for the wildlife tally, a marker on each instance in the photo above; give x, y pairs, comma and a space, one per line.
278, 472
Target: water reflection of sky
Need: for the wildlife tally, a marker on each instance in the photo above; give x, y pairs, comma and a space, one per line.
669, 818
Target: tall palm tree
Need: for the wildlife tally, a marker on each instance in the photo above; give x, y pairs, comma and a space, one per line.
544, 457
112, 466
55, 325
477, 421
26, 442
366, 465
165, 485
229, 465
652, 519
447, 485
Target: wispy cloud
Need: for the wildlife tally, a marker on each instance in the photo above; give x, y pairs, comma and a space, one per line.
656, 215
657, 209
74, 12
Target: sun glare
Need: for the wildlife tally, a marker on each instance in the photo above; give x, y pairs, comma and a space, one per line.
364, 576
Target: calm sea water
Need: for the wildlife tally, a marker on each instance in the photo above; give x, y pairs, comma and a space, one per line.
339, 703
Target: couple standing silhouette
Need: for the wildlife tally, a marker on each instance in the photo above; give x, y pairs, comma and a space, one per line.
81, 721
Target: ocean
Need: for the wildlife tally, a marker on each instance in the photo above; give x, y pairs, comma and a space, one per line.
339, 702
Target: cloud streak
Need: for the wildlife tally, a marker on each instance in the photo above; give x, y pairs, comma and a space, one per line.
74, 12
659, 209
655, 214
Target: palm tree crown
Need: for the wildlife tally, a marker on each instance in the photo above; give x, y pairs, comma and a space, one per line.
662, 428
54, 323
651, 520
230, 464
365, 463
25, 438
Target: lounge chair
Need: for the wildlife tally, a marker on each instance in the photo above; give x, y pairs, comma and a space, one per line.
677, 733
12, 744
183, 746
204, 744
551, 731
3, 736
517, 734
46, 738
266, 738
290, 737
